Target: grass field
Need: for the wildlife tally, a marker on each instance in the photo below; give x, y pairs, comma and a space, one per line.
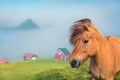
44, 69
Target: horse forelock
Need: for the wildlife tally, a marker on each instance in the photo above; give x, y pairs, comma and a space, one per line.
78, 29
75, 34
84, 20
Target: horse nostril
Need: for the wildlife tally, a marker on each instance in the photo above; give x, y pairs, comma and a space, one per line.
75, 64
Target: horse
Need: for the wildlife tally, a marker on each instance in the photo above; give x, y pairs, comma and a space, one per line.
89, 42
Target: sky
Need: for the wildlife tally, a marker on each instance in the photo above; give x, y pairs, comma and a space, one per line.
58, 16
56, 12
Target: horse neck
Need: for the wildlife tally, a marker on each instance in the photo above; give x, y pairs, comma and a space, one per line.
101, 49
103, 54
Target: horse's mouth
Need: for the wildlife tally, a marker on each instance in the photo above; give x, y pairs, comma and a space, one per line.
75, 63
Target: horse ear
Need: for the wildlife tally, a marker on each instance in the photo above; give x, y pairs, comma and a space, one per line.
85, 28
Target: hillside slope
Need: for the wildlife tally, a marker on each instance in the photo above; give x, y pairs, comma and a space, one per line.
21, 70
45, 69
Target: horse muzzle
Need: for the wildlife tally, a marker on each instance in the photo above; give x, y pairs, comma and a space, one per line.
75, 63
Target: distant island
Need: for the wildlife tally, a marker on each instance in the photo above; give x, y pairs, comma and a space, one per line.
26, 25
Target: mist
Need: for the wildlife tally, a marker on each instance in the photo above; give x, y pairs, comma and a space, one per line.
42, 42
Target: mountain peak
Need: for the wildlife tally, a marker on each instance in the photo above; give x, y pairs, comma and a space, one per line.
28, 21
28, 25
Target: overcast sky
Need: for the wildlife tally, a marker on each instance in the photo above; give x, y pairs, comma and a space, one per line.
104, 13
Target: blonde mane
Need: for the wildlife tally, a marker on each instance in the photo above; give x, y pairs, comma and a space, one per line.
79, 28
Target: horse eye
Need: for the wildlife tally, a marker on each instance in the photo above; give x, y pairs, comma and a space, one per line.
85, 41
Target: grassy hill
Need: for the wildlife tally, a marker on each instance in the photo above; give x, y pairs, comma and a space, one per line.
44, 69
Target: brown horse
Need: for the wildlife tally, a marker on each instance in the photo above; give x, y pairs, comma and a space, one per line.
90, 43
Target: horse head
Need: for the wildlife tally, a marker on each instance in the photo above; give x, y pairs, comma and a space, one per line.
82, 36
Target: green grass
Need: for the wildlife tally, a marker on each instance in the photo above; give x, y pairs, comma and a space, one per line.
45, 69
66, 73
20, 70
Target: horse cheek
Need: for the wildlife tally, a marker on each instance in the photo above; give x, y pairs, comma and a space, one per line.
92, 51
